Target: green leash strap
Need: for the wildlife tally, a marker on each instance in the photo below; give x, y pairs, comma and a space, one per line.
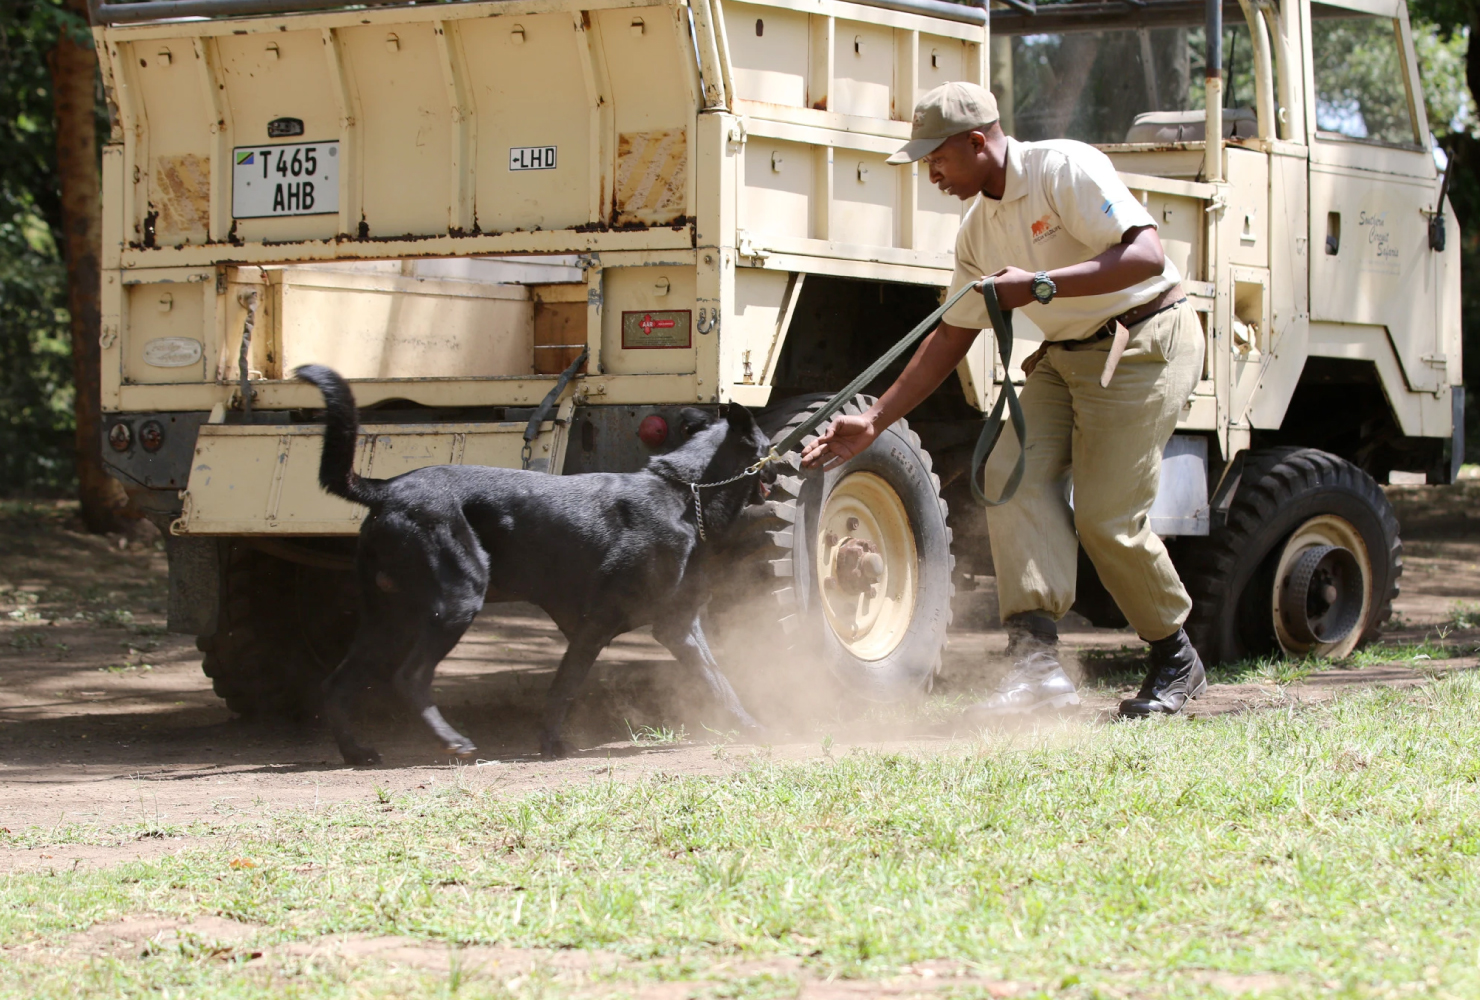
794, 439
991, 431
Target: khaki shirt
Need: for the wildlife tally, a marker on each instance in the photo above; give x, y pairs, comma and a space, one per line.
1062, 204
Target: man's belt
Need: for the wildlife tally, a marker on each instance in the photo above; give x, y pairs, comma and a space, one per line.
1173, 296
1118, 327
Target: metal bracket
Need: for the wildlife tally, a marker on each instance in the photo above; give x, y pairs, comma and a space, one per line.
748, 249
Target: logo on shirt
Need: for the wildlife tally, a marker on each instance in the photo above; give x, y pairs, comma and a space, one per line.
1044, 228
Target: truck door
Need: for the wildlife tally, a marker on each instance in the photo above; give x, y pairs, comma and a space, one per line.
1372, 178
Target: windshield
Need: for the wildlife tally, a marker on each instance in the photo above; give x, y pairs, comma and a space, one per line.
1361, 89
1106, 73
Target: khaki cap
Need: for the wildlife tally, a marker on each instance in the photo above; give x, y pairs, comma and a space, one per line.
950, 109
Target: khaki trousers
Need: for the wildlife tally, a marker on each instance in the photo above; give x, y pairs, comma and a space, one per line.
1111, 440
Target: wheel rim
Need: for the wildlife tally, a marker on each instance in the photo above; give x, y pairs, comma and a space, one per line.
1325, 554
868, 565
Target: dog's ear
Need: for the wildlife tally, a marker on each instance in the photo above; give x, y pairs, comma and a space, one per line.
740, 419
692, 421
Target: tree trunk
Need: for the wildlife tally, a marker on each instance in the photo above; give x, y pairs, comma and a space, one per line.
74, 70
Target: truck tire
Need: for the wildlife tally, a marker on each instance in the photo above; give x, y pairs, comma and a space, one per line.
1306, 562
281, 629
853, 566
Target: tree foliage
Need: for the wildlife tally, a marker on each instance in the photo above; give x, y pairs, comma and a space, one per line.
36, 424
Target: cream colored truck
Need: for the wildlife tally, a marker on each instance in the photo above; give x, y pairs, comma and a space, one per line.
449, 201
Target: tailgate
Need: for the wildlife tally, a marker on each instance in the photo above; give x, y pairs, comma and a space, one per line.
263, 479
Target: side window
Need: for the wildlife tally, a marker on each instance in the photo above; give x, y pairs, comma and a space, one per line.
1361, 87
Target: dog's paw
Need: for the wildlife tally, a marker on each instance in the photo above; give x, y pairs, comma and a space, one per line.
552, 749
361, 757
461, 750
749, 728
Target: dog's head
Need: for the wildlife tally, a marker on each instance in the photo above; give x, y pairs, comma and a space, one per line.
737, 440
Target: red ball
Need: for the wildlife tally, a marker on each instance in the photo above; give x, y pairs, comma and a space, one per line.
653, 430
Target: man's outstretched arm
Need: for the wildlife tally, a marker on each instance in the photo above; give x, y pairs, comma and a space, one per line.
936, 357
1135, 258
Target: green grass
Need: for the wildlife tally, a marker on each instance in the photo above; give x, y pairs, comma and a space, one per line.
656, 735
1335, 846
1464, 615
1126, 666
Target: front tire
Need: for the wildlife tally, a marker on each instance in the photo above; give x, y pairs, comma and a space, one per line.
853, 565
1306, 562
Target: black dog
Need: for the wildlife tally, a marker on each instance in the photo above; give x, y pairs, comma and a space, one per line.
601, 553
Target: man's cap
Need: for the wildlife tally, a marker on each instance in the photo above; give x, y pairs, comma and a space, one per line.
950, 109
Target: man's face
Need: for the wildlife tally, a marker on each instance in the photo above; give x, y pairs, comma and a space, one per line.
958, 165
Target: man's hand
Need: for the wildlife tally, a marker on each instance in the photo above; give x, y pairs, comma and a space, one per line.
848, 436
1014, 287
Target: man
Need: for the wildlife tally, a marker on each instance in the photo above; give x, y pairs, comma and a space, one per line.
1072, 250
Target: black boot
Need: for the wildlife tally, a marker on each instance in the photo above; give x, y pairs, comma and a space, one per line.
1036, 682
1176, 677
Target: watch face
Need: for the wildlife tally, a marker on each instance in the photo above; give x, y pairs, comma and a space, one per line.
1042, 291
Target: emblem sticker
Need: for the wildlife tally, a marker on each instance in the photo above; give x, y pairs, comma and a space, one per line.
172, 352
647, 329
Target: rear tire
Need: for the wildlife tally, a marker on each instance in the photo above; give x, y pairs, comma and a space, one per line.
1289, 501
282, 628
878, 628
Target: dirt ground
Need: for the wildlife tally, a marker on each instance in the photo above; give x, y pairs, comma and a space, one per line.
106, 719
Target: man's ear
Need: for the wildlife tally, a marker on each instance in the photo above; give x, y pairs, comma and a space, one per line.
692, 421
740, 419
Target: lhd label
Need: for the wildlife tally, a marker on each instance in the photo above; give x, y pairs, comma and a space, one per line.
532, 158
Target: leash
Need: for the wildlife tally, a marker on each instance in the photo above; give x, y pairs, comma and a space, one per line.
991, 431
1001, 320
547, 406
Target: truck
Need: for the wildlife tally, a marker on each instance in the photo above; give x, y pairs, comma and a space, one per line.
685, 203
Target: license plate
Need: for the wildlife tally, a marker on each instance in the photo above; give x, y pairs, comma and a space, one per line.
301, 178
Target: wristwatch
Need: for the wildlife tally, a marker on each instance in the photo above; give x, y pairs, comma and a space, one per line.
1043, 288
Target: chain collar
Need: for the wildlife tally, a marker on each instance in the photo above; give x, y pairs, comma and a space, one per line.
694, 488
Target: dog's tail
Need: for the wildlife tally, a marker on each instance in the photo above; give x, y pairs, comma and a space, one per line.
341, 428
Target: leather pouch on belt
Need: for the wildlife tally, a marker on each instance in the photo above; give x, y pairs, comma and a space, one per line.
1117, 347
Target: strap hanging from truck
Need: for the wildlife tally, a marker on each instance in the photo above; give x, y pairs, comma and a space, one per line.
991, 430
547, 406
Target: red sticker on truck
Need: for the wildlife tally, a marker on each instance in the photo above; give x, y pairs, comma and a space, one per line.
648, 329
